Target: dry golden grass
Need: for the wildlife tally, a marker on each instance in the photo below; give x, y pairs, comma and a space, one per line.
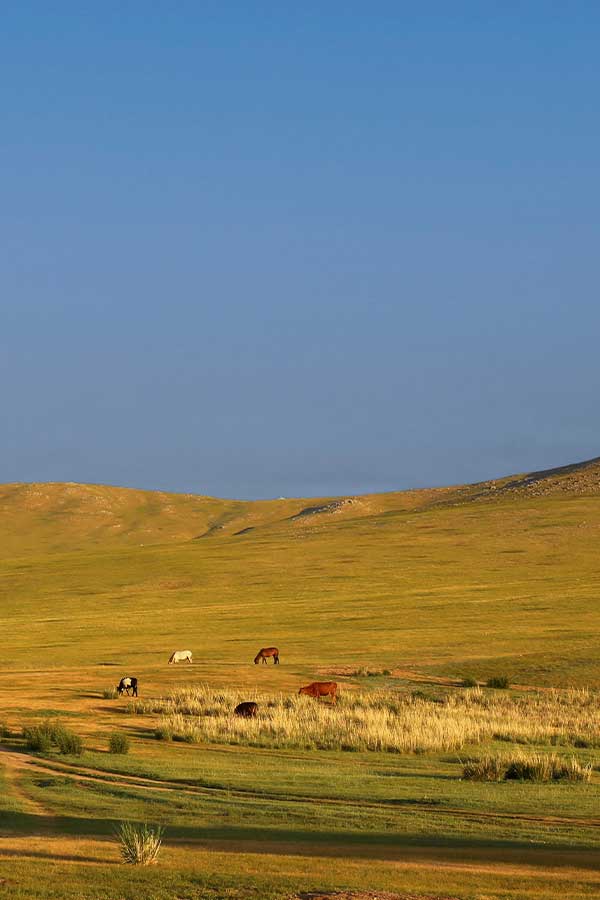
385, 721
139, 845
541, 767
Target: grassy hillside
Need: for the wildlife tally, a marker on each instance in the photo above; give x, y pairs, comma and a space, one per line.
55, 517
467, 580
397, 596
38, 518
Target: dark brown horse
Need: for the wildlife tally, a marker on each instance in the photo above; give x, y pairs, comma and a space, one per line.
321, 689
265, 653
248, 709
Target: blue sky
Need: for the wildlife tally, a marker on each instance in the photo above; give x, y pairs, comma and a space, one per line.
251, 250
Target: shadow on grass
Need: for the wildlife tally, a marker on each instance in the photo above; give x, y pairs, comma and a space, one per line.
50, 855
288, 842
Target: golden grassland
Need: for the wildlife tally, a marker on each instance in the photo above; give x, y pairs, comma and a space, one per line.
398, 598
380, 721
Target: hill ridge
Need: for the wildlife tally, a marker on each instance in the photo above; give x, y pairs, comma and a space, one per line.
62, 516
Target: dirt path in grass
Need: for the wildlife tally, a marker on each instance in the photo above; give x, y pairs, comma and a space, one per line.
49, 840
367, 895
14, 765
84, 774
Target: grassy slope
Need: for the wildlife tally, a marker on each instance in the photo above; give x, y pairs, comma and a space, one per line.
433, 580
99, 581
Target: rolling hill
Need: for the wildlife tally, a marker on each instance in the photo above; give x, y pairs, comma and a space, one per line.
62, 517
401, 595
499, 575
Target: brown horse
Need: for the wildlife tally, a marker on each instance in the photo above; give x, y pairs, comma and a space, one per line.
265, 653
321, 689
247, 710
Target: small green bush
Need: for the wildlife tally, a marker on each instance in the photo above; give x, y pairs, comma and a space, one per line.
469, 682
45, 736
69, 743
109, 694
37, 739
498, 681
4, 730
118, 743
139, 844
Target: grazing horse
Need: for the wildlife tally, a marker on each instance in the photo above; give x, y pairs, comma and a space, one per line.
248, 709
321, 689
127, 684
266, 652
180, 656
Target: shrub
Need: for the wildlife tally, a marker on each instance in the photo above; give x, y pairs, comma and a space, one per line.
139, 844
490, 768
498, 681
537, 767
468, 681
69, 743
4, 730
43, 737
37, 738
118, 743
540, 767
109, 694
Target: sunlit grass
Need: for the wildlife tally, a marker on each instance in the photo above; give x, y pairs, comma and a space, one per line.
139, 845
523, 766
391, 722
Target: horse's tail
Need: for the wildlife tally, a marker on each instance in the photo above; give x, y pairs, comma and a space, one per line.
172, 658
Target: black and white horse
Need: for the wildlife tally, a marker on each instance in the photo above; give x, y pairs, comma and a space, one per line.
127, 684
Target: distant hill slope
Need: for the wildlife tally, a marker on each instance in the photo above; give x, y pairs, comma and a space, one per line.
57, 517
484, 579
41, 518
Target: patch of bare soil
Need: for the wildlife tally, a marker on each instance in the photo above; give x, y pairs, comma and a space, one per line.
349, 671
368, 895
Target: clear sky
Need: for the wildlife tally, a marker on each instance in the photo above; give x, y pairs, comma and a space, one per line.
264, 249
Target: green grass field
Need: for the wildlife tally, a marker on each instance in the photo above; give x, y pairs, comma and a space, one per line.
420, 589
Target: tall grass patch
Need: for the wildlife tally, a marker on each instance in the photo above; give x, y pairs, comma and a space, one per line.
139, 845
539, 767
388, 721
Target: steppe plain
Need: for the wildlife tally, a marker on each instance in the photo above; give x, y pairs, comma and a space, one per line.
402, 598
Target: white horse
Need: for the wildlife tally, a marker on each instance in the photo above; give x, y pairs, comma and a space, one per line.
180, 656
